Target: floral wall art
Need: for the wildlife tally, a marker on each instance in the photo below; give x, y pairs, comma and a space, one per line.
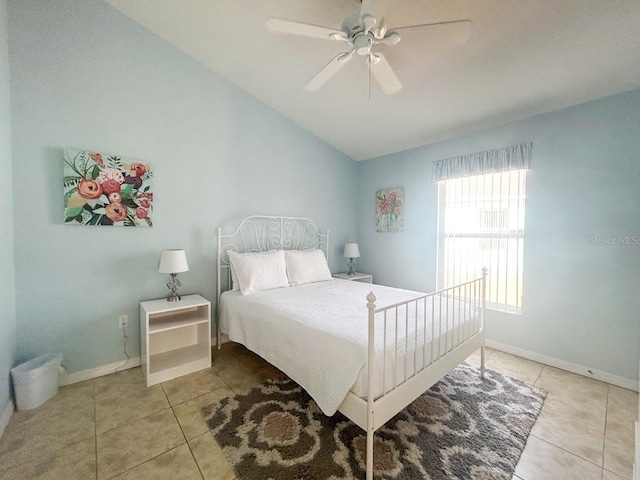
106, 190
390, 210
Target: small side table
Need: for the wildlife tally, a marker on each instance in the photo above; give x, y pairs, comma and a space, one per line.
175, 337
358, 277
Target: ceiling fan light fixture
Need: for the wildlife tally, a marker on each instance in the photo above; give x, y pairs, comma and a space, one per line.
363, 44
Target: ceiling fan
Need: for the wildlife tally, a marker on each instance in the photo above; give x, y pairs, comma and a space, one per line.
363, 33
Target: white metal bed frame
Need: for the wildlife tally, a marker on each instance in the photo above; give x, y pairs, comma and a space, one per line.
258, 233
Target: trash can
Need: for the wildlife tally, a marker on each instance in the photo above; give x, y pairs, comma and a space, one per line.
36, 381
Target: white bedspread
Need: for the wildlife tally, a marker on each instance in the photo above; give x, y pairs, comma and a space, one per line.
317, 334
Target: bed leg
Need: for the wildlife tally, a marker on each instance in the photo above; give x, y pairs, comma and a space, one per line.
370, 454
482, 362
371, 306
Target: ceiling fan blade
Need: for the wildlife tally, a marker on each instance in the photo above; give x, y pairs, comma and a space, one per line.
384, 75
304, 29
328, 71
458, 29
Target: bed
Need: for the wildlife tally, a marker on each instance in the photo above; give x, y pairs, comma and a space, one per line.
365, 350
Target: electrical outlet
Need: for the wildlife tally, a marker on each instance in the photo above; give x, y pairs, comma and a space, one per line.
123, 321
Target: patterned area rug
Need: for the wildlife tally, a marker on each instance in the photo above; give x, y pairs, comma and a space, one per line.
462, 428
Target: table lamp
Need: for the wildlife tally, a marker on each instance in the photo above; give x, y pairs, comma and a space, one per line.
173, 262
351, 251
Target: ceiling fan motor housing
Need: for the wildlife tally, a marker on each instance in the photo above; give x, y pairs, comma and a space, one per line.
362, 43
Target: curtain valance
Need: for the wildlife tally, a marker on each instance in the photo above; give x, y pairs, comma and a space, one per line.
514, 157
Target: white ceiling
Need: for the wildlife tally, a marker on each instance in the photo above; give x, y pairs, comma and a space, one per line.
521, 59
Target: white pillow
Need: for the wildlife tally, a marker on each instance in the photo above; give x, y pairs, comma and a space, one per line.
235, 285
259, 271
306, 266
234, 278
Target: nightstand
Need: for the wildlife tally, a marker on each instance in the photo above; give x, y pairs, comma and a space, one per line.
358, 277
175, 337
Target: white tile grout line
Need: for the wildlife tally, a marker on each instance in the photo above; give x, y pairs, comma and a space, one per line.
149, 459
567, 451
178, 422
171, 407
43, 456
539, 375
194, 457
186, 442
604, 438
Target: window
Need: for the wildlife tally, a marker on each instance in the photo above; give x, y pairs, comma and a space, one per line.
481, 224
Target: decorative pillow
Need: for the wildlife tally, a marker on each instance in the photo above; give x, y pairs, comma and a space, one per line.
259, 271
306, 266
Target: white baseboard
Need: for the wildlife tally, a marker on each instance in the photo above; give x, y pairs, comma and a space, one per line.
101, 371
6, 416
616, 380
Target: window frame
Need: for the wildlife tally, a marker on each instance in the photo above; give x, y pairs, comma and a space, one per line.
482, 232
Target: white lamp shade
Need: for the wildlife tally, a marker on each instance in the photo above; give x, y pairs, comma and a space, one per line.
173, 261
351, 250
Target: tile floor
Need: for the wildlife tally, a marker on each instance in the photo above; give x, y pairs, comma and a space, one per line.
116, 427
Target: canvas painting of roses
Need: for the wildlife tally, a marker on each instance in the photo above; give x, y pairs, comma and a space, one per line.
106, 190
390, 210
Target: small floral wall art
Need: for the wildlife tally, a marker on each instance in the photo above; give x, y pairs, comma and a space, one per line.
390, 210
106, 190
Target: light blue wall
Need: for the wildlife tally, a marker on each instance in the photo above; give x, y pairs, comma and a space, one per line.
581, 301
7, 273
85, 76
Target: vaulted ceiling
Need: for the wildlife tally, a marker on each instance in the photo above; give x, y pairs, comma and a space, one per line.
521, 59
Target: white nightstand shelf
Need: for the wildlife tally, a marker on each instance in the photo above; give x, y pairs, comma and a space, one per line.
175, 337
357, 277
178, 359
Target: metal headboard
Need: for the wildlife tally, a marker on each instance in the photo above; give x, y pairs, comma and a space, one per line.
261, 233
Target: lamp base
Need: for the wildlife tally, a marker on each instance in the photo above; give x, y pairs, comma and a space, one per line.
173, 286
351, 265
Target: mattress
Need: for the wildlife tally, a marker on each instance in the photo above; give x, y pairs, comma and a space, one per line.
317, 334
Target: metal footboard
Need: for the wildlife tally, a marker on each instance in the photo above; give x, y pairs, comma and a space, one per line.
423, 339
